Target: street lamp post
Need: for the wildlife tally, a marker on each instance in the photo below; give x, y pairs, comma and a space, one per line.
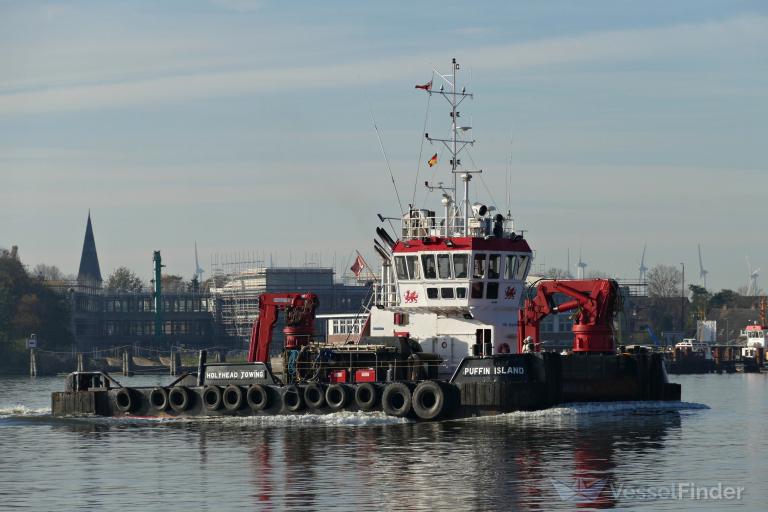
682, 302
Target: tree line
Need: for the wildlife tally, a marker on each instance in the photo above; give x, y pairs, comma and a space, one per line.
28, 306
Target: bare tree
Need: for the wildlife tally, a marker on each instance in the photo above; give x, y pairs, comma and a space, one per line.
664, 281
47, 272
597, 274
557, 273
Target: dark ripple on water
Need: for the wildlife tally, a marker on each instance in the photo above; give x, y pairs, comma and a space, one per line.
353, 461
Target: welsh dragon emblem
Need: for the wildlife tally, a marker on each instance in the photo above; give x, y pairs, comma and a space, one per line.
411, 297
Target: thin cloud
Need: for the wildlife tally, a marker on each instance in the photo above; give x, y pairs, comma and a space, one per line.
614, 46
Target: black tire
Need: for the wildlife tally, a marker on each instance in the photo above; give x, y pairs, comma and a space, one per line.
212, 398
396, 399
367, 396
259, 397
178, 398
124, 400
314, 395
337, 396
158, 398
429, 400
293, 399
232, 397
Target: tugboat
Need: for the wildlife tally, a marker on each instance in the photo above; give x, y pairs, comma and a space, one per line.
691, 356
445, 334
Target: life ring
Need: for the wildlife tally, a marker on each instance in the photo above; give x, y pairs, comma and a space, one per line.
429, 400
232, 397
212, 397
366, 396
178, 398
293, 399
258, 397
337, 396
396, 399
124, 400
314, 395
158, 398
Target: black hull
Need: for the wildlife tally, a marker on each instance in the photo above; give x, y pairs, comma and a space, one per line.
479, 387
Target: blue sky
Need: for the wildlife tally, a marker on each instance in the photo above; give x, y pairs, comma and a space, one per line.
246, 126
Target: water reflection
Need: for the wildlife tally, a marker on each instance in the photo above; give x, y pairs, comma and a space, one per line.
510, 462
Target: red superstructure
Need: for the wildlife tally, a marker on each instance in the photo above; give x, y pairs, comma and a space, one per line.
595, 300
299, 311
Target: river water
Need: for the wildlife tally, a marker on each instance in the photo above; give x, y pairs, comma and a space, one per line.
705, 453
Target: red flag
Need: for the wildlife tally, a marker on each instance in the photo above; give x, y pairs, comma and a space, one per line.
427, 86
432, 161
358, 266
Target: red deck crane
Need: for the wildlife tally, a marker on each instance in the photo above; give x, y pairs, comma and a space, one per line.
595, 300
299, 311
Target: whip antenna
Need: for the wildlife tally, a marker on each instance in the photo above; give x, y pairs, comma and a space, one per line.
386, 159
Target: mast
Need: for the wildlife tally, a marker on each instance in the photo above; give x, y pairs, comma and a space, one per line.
455, 144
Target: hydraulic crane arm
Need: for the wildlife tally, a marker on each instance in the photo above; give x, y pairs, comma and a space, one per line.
595, 300
299, 311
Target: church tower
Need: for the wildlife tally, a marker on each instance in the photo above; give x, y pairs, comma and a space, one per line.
89, 272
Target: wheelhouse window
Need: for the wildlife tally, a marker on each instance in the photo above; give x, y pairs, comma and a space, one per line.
478, 266
492, 290
510, 261
430, 270
402, 272
460, 266
494, 266
412, 264
446, 293
444, 266
477, 290
522, 266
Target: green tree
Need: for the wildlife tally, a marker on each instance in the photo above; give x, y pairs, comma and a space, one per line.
28, 306
123, 280
722, 298
700, 299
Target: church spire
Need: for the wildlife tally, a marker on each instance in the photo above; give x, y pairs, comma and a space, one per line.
89, 261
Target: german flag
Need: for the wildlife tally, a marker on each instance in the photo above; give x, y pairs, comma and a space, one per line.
432, 161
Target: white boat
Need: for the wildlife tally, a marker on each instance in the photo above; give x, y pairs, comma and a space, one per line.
454, 278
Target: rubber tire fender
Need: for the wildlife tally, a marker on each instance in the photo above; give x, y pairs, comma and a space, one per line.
212, 397
124, 400
367, 396
258, 397
230, 392
392, 391
178, 398
337, 396
314, 395
429, 400
294, 405
158, 398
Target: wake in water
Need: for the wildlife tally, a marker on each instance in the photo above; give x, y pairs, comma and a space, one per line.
587, 409
23, 411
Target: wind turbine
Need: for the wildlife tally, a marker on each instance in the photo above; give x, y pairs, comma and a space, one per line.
581, 265
753, 275
198, 271
702, 273
643, 269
